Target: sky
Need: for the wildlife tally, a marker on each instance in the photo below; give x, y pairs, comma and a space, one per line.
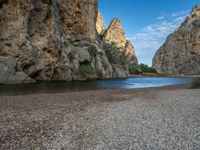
147, 23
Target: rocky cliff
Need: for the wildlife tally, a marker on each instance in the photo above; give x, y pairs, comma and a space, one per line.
100, 26
115, 34
180, 54
49, 40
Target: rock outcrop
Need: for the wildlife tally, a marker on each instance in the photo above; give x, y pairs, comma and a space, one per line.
8, 73
180, 54
130, 52
100, 26
116, 34
52, 40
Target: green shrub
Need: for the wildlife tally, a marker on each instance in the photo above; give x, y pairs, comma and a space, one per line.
70, 41
135, 69
86, 70
110, 52
162, 74
71, 56
196, 83
109, 55
114, 54
92, 50
176, 56
141, 69
147, 69
62, 68
123, 58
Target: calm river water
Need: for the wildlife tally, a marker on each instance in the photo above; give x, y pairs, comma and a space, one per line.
60, 87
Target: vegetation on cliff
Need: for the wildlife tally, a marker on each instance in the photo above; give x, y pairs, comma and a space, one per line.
52, 40
141, 69
196, 83
114, 54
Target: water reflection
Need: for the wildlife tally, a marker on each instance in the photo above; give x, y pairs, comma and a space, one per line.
131, 83
59, 87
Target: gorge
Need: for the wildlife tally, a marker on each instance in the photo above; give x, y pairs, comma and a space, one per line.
64, 40
180, 54
85, 87
47, 40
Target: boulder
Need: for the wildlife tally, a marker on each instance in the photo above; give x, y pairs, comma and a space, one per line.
10, 74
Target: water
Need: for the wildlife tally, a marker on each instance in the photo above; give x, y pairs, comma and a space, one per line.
60, 87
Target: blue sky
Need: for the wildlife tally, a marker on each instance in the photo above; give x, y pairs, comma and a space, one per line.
147, 23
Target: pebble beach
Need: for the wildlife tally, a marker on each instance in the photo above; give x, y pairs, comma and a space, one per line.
159, 118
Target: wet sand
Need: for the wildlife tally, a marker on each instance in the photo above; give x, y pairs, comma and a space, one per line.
155, 118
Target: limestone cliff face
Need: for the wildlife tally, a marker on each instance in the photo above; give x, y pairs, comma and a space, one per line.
116, 34
130, 52
180, 54
50, 40
100, 26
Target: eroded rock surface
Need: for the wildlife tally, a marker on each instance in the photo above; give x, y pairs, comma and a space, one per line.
100, 26
180, 54
130, 52
115, 34
8, 73
53, 40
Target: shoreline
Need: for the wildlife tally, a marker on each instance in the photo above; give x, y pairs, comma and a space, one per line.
109, 119
130, 76
159, 88
162, 76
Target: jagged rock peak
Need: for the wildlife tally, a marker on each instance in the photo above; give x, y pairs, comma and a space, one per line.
100, 26
194, 15
50, 40
196, 10
47, 40
180, 54
115, 34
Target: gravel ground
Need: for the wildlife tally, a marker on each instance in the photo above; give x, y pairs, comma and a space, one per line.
102, 120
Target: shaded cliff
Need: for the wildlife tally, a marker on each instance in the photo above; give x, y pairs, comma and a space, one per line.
180, 54
49, 40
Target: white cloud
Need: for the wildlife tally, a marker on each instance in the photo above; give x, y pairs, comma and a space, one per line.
160, 18
151, 37
180, 13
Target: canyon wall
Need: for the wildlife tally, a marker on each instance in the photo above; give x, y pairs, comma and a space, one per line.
180, 54
52, 40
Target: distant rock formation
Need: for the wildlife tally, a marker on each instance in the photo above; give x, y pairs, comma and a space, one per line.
47, 40
180, 54
100, 26
116, 34
130, 52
